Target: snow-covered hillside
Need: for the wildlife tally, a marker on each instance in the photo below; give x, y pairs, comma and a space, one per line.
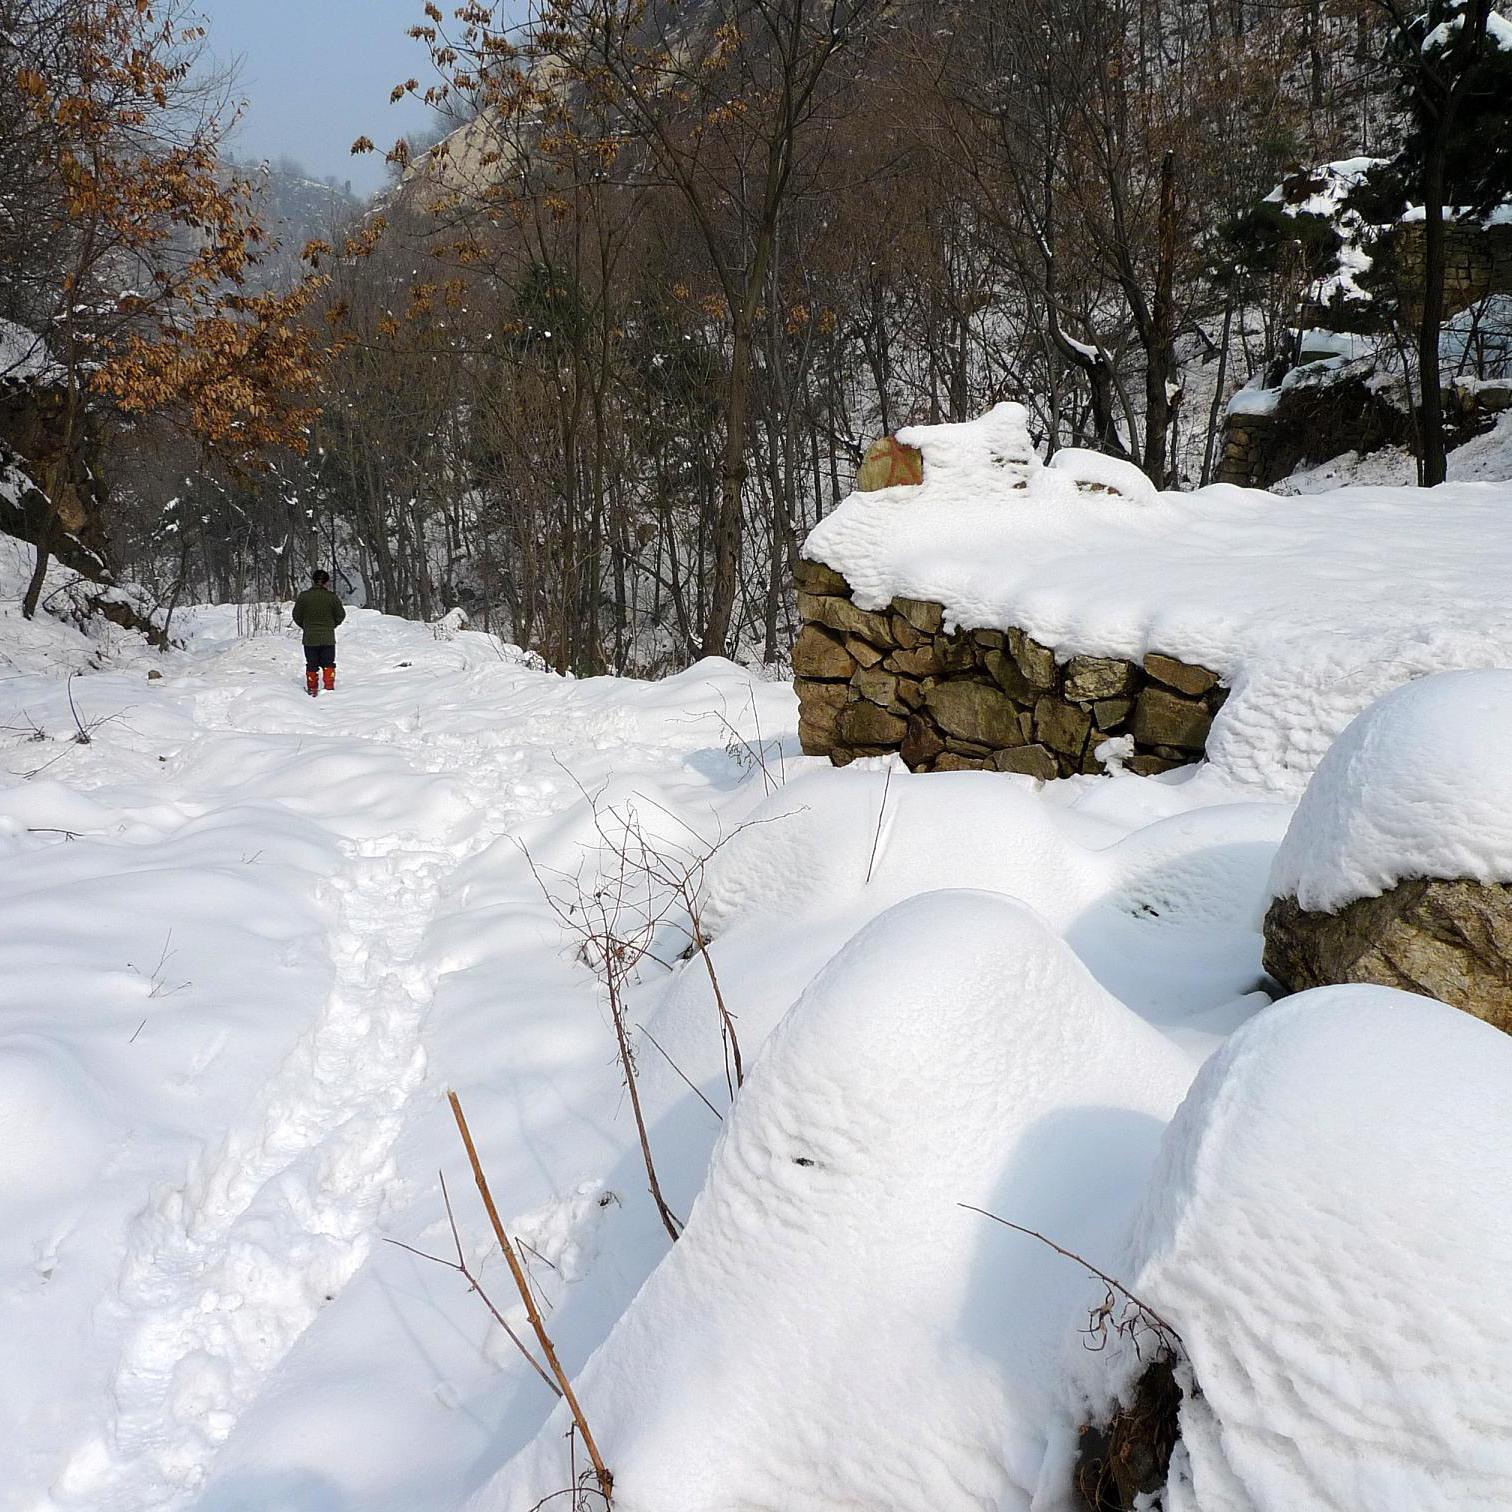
248, 941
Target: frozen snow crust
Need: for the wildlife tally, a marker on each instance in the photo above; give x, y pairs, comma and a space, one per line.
1308, 608
1328, 1229
1419, 785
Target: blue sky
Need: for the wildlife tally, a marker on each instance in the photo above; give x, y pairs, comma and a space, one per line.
316, 74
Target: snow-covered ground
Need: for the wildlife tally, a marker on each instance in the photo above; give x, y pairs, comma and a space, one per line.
251, 938
248, 941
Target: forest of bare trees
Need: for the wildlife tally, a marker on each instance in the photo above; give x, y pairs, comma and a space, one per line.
594, 364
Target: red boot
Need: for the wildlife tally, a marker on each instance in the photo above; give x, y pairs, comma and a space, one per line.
330, 679
312, 682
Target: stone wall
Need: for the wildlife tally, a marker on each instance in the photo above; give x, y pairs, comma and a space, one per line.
1342, 411
1477, 262
871, 682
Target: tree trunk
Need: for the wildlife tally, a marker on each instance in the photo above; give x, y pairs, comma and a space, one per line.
1161, 393
1435, 460
731, 494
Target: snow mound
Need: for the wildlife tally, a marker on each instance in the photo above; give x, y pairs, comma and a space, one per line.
1328, 1230
833, 1330
1308, 608
828, 834
1419, 785
51, 1142
67, 635
990, 451
1100, 472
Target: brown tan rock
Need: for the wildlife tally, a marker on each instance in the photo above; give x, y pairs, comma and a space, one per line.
918, 662
1029, 760
1165, 719
1062, 726
866, 654
816, 653
1150, 766
1089, 678
864, 724
816, 696
950, 762
1447, 940
922, 744
814, 577
1035, 661
1009, 676
816, 739
819, 706
876, 686
842, 615
923, 614
967, 747
910, 693
975, 711
1109, 713
905, 635
1182, 676
889, 463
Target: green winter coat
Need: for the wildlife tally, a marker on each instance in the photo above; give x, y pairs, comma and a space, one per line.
317, 611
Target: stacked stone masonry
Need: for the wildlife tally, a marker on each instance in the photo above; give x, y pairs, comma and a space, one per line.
871, 682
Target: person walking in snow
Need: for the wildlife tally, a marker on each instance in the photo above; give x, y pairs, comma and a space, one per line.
317, 612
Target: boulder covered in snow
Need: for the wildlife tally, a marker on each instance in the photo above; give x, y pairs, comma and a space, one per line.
1095, 472
1395, 869
1449, 940
1327, 1232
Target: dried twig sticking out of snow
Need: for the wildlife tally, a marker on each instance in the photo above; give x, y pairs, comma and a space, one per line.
461, 1267
83, 737
881, 819
600, 1470
691, 1086
1101, 1316
594, 917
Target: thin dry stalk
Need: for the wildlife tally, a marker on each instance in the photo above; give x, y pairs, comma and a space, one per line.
691, 1086
669, 1219
600, 1470
461, 1267
881, 816
593, 917
734, 1067
1161, 1325
83, 737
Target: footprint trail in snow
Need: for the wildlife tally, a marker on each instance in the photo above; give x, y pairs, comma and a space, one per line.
227, 1267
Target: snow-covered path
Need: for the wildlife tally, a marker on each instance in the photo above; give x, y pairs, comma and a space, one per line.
226, 1268
344, 923
433, 751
